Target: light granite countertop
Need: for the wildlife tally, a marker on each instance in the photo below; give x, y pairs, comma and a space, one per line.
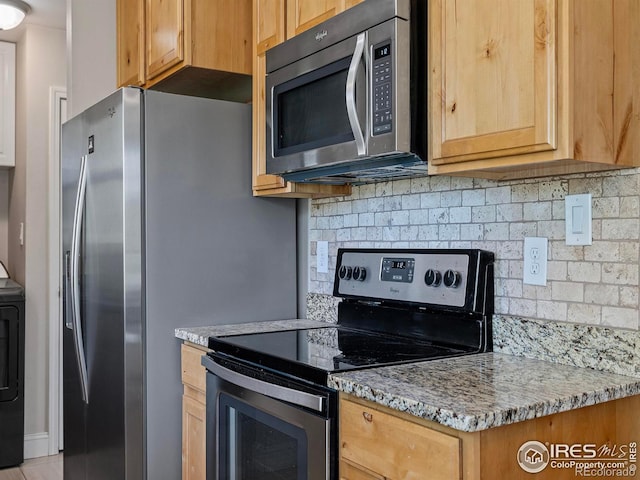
468, 393
200, 335
477, 392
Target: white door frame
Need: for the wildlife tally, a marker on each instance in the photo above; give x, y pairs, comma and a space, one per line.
57, 115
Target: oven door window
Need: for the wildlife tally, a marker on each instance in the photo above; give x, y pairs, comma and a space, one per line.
257, 445
310, 111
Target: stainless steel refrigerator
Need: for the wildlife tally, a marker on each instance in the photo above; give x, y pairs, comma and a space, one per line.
159, 231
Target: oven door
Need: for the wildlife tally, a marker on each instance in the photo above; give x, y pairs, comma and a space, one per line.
263, 426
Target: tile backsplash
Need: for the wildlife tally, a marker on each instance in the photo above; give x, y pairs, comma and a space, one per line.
592, 285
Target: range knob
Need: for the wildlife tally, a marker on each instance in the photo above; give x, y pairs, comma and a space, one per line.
359, 273
432, 278
451, 279
345, 272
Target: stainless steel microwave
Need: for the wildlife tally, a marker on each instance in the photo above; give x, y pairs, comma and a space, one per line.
346, 101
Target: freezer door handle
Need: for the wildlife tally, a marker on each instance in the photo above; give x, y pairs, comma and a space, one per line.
74, 277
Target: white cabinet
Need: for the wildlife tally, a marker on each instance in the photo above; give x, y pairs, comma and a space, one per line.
7, 105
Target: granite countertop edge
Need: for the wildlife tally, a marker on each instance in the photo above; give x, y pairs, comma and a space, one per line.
475, 417
200, 335
472, 422
501, 384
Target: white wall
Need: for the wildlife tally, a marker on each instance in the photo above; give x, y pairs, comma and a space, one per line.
91, 44
41, 64
18, 176
4, 215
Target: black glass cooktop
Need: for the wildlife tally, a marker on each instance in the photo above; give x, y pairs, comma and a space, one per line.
313, 353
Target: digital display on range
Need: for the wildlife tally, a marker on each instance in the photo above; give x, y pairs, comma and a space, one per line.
397, 270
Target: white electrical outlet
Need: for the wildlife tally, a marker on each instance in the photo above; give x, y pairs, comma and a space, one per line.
322, 256
535, 261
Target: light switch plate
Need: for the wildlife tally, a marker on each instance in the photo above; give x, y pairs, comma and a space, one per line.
578, 219
535, 260
322, 256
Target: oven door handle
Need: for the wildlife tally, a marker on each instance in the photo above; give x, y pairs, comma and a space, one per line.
302, 399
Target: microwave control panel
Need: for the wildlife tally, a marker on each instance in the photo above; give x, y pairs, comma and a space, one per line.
382, 89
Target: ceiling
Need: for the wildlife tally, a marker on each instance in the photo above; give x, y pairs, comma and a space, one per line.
49, 13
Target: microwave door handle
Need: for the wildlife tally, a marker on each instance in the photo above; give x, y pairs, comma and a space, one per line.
352, 110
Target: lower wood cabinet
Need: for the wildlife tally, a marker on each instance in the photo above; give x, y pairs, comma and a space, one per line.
194, 417
380, 443
377, 444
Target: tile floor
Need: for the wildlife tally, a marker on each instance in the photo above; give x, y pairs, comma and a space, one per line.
43, 468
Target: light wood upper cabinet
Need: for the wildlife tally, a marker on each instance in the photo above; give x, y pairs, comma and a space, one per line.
274, 21
7, 104
495, 88
268, 26
537, 87
165, 36
131, 42
304, 14
194, 47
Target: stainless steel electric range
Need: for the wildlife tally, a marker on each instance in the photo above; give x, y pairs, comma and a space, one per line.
270, 414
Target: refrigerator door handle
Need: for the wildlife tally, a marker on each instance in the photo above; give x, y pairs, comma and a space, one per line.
68, 311
76, 320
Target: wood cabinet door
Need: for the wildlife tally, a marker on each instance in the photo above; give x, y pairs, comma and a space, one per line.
395, 448
304, 14
194, 439
165, 35
130, 25
268, 24
261, 181
268, 31
493, 78
348, 471
193, 373
351, 3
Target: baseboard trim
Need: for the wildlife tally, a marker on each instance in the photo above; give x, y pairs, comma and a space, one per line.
36, 445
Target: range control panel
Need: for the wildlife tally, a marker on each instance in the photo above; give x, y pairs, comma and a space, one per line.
438, 277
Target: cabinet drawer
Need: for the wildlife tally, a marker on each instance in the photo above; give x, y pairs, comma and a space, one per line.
193, 373
349, 471
396, 448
